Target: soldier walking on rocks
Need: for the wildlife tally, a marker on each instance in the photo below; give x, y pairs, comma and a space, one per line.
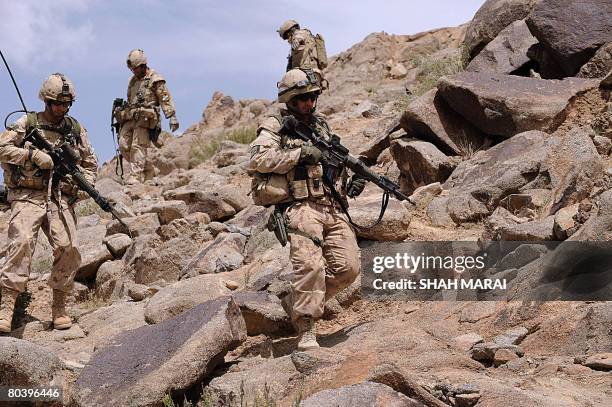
307, 50
38, 201
139, 118
288, 173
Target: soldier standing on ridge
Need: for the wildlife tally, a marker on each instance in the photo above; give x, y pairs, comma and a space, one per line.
140, 118
38, 202
288, 172
307, 50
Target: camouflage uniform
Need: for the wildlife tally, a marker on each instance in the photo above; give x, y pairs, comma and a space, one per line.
141, 116
320, 270
31, 209
303, 47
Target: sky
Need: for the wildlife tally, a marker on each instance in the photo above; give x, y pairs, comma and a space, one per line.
198, 46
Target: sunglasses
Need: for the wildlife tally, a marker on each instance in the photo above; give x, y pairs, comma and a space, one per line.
307, 96
60, 103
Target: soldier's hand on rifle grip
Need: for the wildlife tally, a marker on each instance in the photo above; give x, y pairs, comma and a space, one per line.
355, 186
309, 155
42, 160
174, 124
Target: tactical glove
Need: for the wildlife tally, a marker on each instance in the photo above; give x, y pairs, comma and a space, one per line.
310, 155
42, 160
355, 186
174, 124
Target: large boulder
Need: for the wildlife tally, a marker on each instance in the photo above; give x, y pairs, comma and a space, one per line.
599, 224
184, 295
138, 225
571, 30
365, 210
24, 364
568, 166
250, 380
263, 313
220, 204
429, 118
93, 251
491, 18
598, 66
113, 191
507, 53
505, 105
225, 253
361, 394
139, 367
420, 163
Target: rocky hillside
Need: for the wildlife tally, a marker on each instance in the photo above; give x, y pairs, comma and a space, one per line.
499, 129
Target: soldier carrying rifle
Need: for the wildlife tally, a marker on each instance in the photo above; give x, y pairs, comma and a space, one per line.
39, 199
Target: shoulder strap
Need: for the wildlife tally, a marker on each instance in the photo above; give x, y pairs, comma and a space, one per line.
75, 129
31, 121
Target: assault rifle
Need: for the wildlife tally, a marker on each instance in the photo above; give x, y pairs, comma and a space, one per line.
336, 157
64, 165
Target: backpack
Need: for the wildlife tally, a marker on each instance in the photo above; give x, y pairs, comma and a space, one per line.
321, 51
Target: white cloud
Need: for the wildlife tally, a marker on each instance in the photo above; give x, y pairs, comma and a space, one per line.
38, 32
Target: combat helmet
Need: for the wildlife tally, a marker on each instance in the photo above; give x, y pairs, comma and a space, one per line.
135, 58
286, 27
57, 87
297, 82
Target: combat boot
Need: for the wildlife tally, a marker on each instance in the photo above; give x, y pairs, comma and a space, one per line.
60, 317
7, 306
308, 334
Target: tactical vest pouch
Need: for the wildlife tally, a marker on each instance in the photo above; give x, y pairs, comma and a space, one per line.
146, 117
299, 189
321, 51
315, 181
30, 179
269, 189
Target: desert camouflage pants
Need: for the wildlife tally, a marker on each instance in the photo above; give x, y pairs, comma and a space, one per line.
134, 143
320, 272
26, 220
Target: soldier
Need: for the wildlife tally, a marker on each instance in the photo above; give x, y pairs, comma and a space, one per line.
39, 201
140, 119
307, 50
288, 173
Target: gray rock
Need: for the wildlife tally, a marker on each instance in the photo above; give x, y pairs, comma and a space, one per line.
113, 191
24, 364
599, 224
539, 230
88, 221
140, 366
138, 225
423, 195
262, 313
253, 376
600, 361
507, 52
109, 280
522, 255
365, 209
421, 163
467, 341
362, 394
598, 66
167, 211
117, 244
485, 352
225, 253
184, 295
103, 324
367, 109
505, 105
571, 31
564, 222
512, 336
429, 118
492, 17
315, 359
603, 145
220, 204
93, 251
568, 166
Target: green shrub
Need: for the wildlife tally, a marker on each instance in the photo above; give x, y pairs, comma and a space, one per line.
203, 149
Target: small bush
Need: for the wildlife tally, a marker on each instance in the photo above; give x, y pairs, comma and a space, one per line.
201, 150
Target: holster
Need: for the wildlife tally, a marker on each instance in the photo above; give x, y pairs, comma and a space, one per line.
277, 223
